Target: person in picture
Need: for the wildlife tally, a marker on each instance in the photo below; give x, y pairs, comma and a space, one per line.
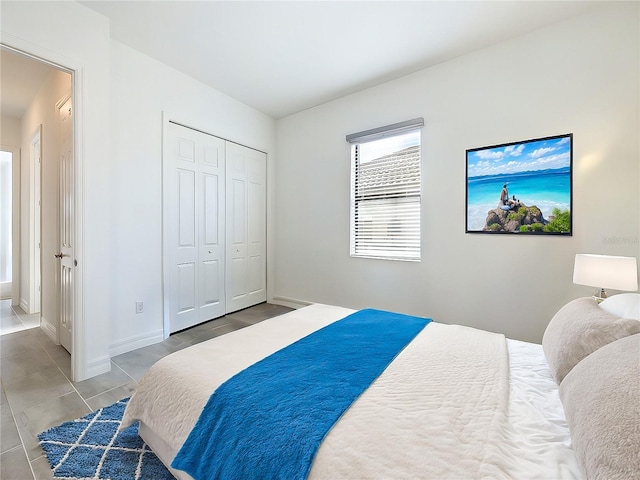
506, 203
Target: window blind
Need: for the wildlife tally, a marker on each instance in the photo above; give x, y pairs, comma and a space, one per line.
385, 200
386, 131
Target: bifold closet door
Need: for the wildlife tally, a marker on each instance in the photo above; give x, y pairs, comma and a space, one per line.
195, 215
246, 276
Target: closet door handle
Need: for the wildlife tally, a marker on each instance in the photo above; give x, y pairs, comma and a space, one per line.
59, 255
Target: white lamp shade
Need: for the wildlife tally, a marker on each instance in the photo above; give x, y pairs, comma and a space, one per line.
606, 271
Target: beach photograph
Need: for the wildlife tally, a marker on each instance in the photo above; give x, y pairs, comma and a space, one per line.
521, 187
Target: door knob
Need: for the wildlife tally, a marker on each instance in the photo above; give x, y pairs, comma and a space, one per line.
59, 255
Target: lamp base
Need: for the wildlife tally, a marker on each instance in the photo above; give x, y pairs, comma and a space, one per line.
600, 295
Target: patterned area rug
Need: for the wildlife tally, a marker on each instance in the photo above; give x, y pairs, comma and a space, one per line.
91, 447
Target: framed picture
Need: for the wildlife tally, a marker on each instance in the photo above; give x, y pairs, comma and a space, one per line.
522, 188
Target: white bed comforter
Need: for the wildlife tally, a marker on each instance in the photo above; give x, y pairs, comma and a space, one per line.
439, 411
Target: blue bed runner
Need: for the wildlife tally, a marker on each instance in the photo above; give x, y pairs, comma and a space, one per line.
268, 421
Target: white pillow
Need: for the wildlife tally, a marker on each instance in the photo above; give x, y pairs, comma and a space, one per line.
623, 305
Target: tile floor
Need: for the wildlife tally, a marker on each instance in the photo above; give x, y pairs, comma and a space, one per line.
14, 319
37, 393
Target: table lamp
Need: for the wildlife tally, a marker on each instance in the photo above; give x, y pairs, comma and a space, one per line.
605, 271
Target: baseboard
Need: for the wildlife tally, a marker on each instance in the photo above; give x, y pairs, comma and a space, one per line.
98, 366
24, 305
49, 329
290, 302
135, 342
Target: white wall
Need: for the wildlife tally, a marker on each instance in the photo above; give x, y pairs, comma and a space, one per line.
77, 37
141, 89
579, 76
10, 131
42, 111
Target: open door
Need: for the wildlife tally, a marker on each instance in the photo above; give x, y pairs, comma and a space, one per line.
66, 255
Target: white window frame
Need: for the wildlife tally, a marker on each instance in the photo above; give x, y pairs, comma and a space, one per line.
396, 202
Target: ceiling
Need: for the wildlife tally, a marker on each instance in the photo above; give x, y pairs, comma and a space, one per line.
20, 79
284, 57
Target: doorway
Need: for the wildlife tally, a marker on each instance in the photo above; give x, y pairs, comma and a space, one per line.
31, 90
9, 208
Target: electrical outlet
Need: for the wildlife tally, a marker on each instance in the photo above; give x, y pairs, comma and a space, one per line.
139, 307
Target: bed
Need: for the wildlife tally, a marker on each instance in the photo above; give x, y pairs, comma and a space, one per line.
456, 402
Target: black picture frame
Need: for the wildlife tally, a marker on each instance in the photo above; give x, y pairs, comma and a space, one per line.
537, 175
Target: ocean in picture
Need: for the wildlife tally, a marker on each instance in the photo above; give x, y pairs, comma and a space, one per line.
546, 189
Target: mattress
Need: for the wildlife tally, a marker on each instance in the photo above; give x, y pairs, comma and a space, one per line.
429, 415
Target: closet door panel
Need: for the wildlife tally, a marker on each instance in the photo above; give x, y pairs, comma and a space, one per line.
236, 234
246, 232
182, 208
237, 225
186, 212
211, 220
211, 227
211, 242
194, 203
237, 282
186, 287
256, 233
210, 283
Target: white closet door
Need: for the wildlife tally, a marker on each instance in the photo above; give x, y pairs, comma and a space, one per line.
195, 170
246, 276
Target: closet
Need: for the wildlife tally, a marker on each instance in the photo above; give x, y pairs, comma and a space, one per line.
214, 227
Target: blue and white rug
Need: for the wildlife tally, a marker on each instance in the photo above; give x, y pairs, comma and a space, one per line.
92, 448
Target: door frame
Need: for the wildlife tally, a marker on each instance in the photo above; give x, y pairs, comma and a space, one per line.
166, 305
35, 224
76, 70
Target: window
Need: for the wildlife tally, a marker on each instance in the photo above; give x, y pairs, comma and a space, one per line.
385, 192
